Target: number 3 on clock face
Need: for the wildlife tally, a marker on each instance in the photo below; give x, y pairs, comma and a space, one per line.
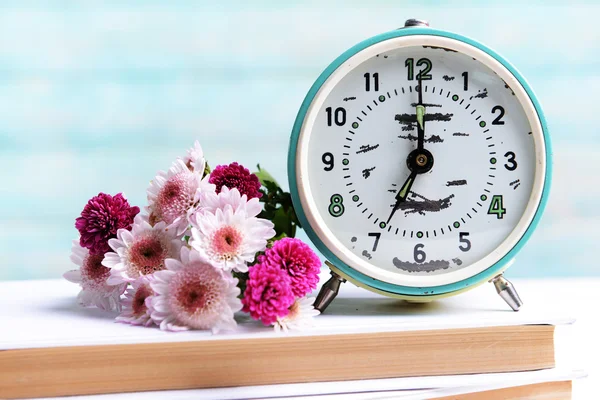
419, 161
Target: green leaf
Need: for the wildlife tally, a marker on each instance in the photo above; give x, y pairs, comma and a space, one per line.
283, 223
242, 279
206, 169
277, 206
264, 177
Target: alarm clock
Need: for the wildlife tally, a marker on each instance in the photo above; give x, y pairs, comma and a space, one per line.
419, 165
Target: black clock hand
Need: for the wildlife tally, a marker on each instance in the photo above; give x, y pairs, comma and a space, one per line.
402, 193
420, 160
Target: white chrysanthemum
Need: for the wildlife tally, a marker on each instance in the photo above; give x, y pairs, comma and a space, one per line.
136, 304
229, 239
192, 294
300, 316
174, 195
211, 202
194, 159
142, 251
91, 276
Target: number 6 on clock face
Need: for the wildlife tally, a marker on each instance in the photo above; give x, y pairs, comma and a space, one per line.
419, 163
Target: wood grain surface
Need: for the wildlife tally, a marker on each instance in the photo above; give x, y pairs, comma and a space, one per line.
185, 365
539, 391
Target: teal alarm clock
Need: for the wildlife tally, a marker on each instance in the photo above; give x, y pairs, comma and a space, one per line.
419, 165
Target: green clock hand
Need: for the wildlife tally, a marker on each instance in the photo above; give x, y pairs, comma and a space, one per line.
420, 160
403, 193
420, 117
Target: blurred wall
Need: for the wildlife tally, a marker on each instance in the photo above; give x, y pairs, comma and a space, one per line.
99, 95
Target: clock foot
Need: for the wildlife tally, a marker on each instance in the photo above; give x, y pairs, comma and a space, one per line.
328, 292
507, 291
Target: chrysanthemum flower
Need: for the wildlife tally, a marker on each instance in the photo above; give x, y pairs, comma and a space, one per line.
191, 293
100, 219
211, 202
300, 262
91, 276
194, 159
268, 295
229, 239
173, 196
300, 316
142, 251
136, 303
236, 176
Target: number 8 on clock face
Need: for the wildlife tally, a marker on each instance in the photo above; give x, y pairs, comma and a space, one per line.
419, 163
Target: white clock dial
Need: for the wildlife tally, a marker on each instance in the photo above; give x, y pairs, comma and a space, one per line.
471, 205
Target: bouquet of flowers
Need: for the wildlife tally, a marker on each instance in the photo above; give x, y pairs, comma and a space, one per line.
207, 245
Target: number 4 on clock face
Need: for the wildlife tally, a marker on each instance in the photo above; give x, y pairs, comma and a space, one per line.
496, 207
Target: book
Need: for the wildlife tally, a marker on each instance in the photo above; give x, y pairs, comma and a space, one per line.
552, 383
561, 390
52, 347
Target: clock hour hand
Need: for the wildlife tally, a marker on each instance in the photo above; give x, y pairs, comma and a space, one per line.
403, 193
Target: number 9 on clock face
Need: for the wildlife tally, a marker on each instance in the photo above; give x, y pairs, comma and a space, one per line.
418, 161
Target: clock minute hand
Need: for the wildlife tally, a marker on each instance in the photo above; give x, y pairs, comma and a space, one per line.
420, 115
402, 194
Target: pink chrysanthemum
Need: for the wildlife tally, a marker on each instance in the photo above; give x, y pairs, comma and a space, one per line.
191, 293
300, 262
229, 239
142, 251
236, 176
268, 295
136, 304
91, 276
194, 159
100, 219
211, 202
173, 196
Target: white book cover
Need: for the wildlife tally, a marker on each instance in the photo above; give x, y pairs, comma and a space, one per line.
45, 313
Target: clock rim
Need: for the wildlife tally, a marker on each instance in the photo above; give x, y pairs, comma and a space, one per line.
419, 289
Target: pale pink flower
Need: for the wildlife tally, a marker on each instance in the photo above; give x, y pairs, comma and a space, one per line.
211, 202
300, 316
229, 239
194, 159
142, 251
174, 195
192, 294
136, 310
91, 276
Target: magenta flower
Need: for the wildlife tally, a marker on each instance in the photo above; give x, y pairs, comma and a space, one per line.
100, 219
236, 176
300, 262
268, 293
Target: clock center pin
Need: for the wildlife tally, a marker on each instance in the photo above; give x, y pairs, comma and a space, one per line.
420, 161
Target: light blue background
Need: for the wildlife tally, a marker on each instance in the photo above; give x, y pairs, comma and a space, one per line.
99, 95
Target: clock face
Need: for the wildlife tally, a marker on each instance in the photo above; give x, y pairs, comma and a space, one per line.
421, 163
